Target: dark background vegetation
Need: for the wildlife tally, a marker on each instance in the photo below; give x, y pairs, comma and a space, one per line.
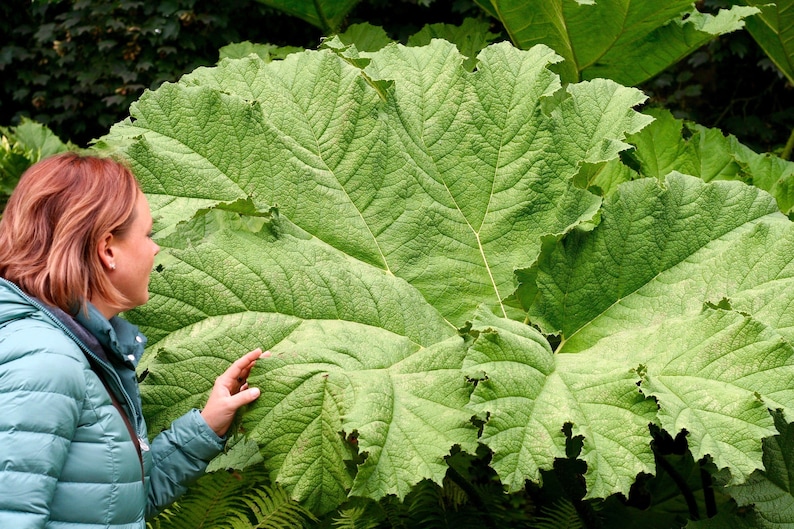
77, 65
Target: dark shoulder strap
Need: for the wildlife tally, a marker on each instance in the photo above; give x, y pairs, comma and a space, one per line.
121, 411
90, 341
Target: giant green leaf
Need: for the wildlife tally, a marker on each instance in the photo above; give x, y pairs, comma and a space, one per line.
363, 215
629, 41
358, 350
432, 184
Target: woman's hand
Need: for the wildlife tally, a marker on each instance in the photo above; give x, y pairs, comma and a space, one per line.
231, 392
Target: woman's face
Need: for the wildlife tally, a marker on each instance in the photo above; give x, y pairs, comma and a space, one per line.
133, 256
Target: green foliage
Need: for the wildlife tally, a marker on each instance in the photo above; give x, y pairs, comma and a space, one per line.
382, 201
354, 518
266, 52
470, 37
387, 226
692, 61
76, 67
561, 515
706, 153
730, 84
469, 496
21, 147
773, 29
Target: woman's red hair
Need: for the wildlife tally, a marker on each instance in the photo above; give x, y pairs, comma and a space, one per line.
53, 222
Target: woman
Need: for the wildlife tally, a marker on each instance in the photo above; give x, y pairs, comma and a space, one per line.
75, 251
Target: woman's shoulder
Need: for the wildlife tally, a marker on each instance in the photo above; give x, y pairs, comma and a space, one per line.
34, 350
25, 324
38, 331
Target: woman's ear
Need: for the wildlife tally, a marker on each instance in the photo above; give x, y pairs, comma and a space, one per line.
106, 251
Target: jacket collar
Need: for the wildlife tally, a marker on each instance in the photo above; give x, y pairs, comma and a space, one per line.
120, 339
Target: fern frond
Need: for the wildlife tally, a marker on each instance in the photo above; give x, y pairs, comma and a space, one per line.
396, 513
277, 510
560, 515
425, 505
233, 500
434, 507
355, 518
453, 495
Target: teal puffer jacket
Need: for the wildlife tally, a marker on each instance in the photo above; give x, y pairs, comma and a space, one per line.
67, 458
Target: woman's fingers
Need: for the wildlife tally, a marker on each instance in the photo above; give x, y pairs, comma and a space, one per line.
237, 373
244, 364
231, 391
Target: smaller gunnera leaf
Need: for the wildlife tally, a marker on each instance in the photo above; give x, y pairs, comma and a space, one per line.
652, 285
